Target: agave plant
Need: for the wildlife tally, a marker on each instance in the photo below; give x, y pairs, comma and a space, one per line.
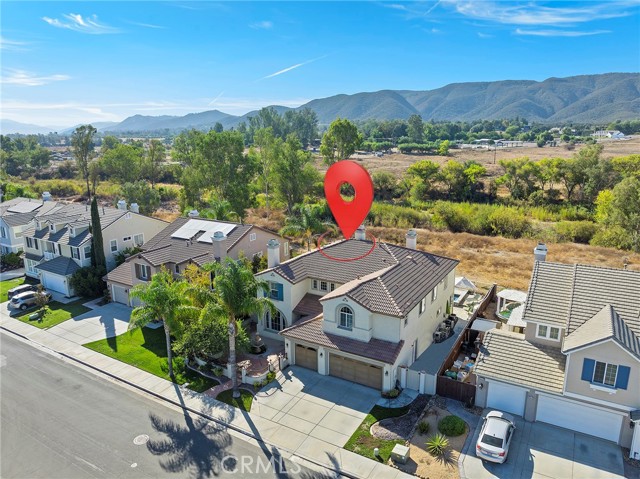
437, 444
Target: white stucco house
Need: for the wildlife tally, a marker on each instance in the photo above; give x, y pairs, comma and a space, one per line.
359, 320
59, 243
577, 365
18, 214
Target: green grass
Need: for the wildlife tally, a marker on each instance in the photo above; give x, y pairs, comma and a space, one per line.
58, 313
146, 349
7, 285
363, 443
243, 402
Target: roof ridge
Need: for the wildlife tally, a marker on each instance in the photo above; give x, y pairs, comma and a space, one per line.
573, 294
388, 250
386, 290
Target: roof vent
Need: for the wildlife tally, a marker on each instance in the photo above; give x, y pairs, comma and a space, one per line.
46, 196
540, 252
193, 214
122, 205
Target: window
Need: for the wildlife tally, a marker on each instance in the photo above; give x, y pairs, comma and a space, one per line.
346, 317
314, 284
35, 243
275, 322
605, 374
29, 243
177, 269
423, 305
3, 232
87, 252
75, 253
126, 238
114, 245
548, 332
332, 286
138, 239
276, 291
286, 248
143, 271
434, 293
323, 286
252, 237
52, 228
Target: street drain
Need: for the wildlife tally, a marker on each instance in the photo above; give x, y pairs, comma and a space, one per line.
141, 439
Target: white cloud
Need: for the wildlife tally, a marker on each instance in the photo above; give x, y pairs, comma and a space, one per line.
263, 25
484, 35
6, 44
559, 33
528, 13
23, 78
76, 22
415, 10
146, 25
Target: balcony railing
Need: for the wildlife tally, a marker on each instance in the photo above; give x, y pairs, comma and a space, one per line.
50, 255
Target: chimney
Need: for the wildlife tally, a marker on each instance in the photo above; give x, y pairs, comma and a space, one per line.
219, 241
273, 253
193, 214
46, 196
134, 207
540, 252
412, 239
361, 234
122, 205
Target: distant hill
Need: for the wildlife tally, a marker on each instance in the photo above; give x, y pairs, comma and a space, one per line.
8, 127
580, 99
99, 125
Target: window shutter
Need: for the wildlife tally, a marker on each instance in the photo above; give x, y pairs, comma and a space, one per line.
280, 291
587, 369
622, 380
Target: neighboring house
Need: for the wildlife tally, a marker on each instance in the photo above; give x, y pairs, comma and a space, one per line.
15, 216
59, 243
578, 363
615, 134
359, 320
189, 241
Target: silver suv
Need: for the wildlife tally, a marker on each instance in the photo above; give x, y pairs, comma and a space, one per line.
28, 299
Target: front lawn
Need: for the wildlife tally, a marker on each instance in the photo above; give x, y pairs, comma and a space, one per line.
243, 402
146, 349
363, 443
58, 313
12, 283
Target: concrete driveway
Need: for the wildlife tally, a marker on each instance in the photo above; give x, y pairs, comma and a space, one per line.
541, 451
320, 407
104, 322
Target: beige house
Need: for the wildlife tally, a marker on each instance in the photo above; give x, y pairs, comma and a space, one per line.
17, 215
187, 241
577, 365
59, 243
359, 320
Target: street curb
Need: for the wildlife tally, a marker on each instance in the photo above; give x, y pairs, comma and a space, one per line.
183, 406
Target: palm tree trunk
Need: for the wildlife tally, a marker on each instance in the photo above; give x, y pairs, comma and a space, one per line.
233, 367
167, 335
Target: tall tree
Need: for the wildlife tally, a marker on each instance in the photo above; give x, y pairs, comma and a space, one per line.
306, 222
164, 299
236, 290
270, 149
293, 173
82, 143
340, 141
154, 159
415, 129
98, 261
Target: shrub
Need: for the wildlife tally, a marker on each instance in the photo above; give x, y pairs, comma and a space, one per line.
423, 427
218, 371
167, 193
576, 231
11, 260
437, 444
452, 426
509, 223
612, 237
392, 216
270, 376
87, 282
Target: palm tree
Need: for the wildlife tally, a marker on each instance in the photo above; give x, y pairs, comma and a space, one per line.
236, 296
164, 299
307, 223
220, 210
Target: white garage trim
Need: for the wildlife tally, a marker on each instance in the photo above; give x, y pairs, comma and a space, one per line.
119, 294
506, 397
55, 283
580, 417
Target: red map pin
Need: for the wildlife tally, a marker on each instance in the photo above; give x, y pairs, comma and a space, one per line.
348, 214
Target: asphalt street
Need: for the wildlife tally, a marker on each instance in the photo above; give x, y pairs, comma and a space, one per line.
60, 421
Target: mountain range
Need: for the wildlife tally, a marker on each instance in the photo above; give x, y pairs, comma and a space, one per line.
596, 99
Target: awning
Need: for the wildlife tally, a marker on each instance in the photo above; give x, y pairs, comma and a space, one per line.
464, 283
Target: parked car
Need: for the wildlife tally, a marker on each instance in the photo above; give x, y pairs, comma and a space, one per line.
495, 437
28, 299
23, 288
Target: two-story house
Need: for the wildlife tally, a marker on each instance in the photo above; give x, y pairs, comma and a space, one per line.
187, 241
362, 319
15, 216
577, 365
59, 243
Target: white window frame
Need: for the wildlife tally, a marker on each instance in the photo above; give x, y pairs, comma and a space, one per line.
314, 284
75, 252
423, 305
273, 290
135, 239
145, 268
3, 231
252, 236
324, 286
84, 251
286, 248
434, 293
547, 333
604, 374
341, 311
268, 321
29, 242
111, 242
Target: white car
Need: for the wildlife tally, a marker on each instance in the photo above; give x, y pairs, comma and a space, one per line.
495, 437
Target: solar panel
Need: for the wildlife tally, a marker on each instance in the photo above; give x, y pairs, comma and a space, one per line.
24, 207
226, 228
207, 228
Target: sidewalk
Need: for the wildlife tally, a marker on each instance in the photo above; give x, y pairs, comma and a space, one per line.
307, 450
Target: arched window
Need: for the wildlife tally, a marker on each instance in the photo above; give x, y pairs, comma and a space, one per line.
275, 322
346, 317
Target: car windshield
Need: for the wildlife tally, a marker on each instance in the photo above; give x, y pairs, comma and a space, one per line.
492, 441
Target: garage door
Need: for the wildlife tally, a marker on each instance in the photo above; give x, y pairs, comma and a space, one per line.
356, 371
306, 357
578, 417
53, 282
119, 295
506, 398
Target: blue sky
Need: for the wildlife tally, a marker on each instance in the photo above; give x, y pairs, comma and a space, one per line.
69, 62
